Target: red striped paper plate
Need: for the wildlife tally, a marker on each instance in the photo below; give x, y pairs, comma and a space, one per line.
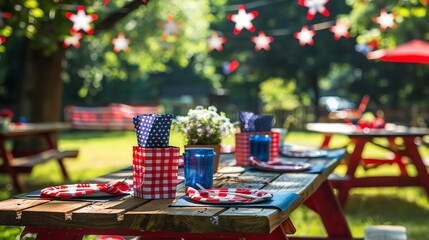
227, 195
86, 190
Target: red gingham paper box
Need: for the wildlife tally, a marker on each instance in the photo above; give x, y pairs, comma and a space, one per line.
155, 172
242, 146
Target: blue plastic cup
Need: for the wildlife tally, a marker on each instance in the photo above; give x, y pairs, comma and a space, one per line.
199, 167
260, 147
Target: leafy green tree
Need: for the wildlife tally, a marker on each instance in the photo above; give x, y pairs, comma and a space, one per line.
394, 85
41, 27
278, 95
286, 59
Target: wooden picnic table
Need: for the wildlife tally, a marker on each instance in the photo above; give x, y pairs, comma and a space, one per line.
401, 141
156, 219
24, 164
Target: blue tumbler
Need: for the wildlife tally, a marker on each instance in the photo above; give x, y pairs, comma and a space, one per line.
199, 167
260, 147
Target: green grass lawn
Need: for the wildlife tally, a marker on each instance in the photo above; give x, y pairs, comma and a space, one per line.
104, 152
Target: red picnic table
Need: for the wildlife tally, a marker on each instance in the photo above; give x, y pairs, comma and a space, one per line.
15, 165
402, 141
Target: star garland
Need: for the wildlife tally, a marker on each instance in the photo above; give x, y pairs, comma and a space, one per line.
262, 41
171, 27
315, 6
340, 29
73, 40
81, 21
243, 19
305, 36
215, 42
121, 43
385, 20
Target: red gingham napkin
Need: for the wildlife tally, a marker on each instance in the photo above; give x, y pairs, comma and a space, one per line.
155, 172
86, 190
242, 146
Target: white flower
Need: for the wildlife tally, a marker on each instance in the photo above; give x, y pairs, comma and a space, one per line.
204, 125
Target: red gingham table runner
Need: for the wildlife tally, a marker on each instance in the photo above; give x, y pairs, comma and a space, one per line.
155, 172
242, 146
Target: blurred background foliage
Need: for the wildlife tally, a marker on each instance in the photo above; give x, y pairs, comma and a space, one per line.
180, 71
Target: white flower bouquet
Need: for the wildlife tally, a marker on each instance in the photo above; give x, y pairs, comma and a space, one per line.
203, 126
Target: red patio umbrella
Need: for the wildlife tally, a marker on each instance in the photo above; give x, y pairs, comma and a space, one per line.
414, 51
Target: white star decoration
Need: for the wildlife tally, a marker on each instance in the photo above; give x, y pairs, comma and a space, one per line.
262, 41
215, 42
121, 43
170, 27
315, 6
385, 20
340, 29
243, 19
73, 40
81, 21
305, 36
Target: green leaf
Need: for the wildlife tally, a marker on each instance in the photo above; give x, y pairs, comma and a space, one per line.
37, 13
31, 4
419, 12
403, 11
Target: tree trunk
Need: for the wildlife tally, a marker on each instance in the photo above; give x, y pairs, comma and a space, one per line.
42, 86
41, 93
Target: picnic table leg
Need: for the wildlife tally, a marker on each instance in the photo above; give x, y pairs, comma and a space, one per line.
398, 157
353, 163
326, 140
53, 145
413, 153
324, 202
7, 158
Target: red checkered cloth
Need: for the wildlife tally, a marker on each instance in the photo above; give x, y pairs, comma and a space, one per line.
242, 146
155, 172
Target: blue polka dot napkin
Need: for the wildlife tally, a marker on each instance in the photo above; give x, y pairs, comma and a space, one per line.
250, 122
153, 130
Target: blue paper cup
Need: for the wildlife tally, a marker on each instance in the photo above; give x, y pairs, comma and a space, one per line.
260, 147
199, 167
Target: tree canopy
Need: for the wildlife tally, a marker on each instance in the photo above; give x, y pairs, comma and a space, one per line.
34, 53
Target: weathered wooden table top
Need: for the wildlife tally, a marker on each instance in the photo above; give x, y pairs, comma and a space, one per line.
15, 130
133, 213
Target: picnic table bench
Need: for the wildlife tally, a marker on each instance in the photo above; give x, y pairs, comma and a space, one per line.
15, 165
112, 117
